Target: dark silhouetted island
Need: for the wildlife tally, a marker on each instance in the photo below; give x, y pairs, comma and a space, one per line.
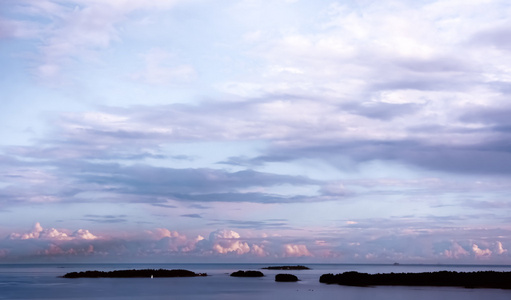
287, 268
133, 273
482, 279
241, 273
286, 278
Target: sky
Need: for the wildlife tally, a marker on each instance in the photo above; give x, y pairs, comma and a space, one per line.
255, 131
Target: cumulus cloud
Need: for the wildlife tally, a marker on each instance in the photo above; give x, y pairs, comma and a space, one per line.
481, 253
455, 251
227, 241
83, 234
358, 244
259, 251
38, 232
499, 248
291, 250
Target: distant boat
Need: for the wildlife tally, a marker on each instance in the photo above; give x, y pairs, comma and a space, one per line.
151, 276
396, 264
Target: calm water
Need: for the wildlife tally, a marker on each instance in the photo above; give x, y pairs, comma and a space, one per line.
42, 282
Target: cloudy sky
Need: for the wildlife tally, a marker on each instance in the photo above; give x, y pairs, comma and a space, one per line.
255, 130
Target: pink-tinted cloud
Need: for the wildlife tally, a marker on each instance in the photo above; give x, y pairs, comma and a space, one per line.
455, 251
258, 250
227, 241
38, 232
291, 250
481, 253
84, 234
42, 244
499, 248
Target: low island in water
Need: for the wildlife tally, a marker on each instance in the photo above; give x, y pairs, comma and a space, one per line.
133, 273
287, 268
286, 278
481, 279
241, 273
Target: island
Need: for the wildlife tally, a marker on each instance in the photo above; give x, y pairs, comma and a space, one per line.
134, 273
241, 273
286, 278
481, 279
287, 268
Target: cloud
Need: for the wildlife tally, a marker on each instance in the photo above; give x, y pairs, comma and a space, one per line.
296, 250
227, 241
330, 132
194, 216
494, 37
105, 218
499, 248
455, 251
38, 182
35, 233
38, 232
388, 244
397, 107
160, 70
247, 224
480, 253
84, 234
72, 30
173, 241
259, 251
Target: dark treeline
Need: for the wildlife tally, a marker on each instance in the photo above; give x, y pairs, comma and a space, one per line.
286, 278
482, 279
287, 268
241, 273
133, 273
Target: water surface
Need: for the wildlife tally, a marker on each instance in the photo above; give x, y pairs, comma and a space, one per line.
42, 281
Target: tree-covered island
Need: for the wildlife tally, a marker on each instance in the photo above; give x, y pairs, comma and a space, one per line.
481, 279
134, 273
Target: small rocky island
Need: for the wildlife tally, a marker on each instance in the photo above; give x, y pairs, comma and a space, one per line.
134, 273
287, 268
285, 278
482, 279
241, 273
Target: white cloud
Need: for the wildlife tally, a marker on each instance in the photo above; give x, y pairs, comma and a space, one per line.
160, 233
77, 29
34, 234
84, 234
499, 248
456, 251
480, 253
52, 234
259, 251
292, 250
226, 241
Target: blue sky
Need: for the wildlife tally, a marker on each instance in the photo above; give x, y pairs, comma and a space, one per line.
312, 131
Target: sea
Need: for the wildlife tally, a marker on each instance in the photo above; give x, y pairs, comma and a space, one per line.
44, 281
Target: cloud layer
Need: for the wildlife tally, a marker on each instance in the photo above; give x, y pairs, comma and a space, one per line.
50, 244
308, 130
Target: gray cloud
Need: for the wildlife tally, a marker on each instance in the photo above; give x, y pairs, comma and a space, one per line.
141, 183
258, 225
494, 37
193, 216
105, 218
